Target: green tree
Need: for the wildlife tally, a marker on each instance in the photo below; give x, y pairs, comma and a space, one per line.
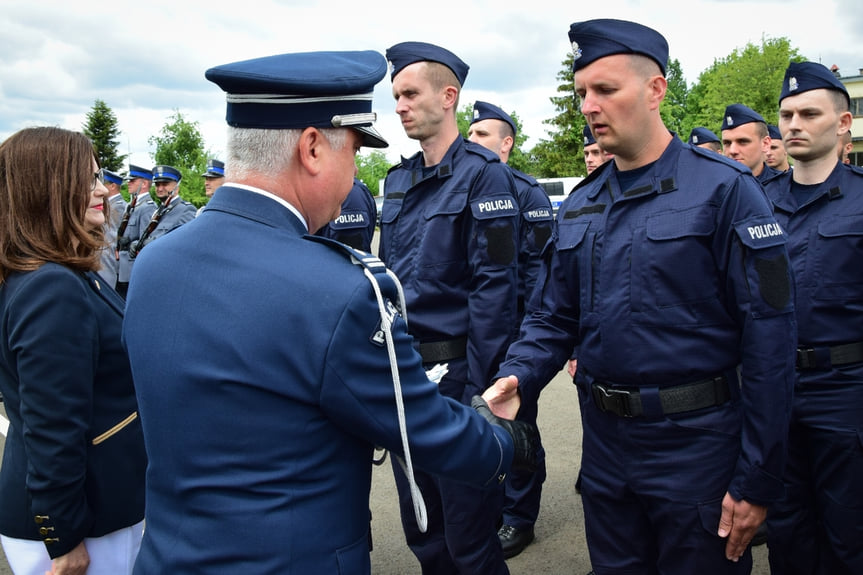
751, 76
561, 155
101, 128
180, 144
674, 107
371, 169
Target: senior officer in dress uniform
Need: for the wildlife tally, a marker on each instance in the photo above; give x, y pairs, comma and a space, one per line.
670, 272
817, 528
494, 129
355, 225
745, 139
116, 208
704, 138
265, 382
141, 206
450, 231
171, 213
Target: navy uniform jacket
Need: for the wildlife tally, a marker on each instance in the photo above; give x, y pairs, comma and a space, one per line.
141, 214
74, 455
355, 225
263, 387
682, 277
825, 244
451, 235
767, 173
537, 223
170, 217
108, 258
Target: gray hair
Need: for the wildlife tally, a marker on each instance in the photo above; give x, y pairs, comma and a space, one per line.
252, 150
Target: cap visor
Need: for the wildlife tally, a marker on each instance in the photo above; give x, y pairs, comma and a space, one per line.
371, 138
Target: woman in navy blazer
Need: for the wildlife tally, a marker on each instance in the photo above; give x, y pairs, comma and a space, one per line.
72, 477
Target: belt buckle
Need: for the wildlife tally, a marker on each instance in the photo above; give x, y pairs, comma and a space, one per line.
614, 400
806, 358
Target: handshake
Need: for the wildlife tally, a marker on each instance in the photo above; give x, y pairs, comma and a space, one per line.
525, 437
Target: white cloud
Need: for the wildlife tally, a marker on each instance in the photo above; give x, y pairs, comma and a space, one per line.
148, 60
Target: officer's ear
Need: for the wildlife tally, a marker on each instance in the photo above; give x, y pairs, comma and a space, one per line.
311, 149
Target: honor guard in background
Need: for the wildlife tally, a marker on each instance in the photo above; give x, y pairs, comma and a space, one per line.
594, 156
355, 225
776, 156
704, 138
494, 129
265, 382
670, 273
745, 139
213, 178
817, 528
171, 213
116, 208
450, 231
141, 206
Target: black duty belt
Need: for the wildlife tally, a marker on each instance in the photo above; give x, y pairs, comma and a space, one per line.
827, 357
626, 401
438, 351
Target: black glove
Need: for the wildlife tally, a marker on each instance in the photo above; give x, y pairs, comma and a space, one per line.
123, 244
525, 437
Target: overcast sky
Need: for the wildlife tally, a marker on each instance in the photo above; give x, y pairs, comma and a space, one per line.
147, 59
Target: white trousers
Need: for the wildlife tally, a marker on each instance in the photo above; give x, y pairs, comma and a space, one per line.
111, 554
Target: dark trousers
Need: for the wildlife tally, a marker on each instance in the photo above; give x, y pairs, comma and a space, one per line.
462, 526
522, 489
652, 491
817, 528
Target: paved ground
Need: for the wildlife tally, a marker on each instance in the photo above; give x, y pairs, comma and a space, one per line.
559, 547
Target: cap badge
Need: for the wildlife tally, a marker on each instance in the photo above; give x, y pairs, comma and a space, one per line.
792, 84
694, 139
576, 51
729, 120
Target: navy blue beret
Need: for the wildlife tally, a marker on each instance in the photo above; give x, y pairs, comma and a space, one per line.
139, 172
215, 169
302, 90
407, 53
595, 39
588, 136
702, 136
165, 173
738, 114
110, 177
486, 111
774, 132
804, 76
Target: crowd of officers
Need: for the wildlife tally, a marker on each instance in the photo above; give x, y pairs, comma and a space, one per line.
669, 282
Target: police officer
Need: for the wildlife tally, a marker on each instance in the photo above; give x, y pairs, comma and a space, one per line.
745, 139
704, 138
776, 157
265, 379
450, 231
214, 177
670, 272
116, 208
818, 526
594, 156
355, 225
172, 212
137, 213
494, 129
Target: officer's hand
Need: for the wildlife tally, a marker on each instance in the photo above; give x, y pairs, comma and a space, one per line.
503, 398
123, 244
75, 562
525, 437
739, 522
